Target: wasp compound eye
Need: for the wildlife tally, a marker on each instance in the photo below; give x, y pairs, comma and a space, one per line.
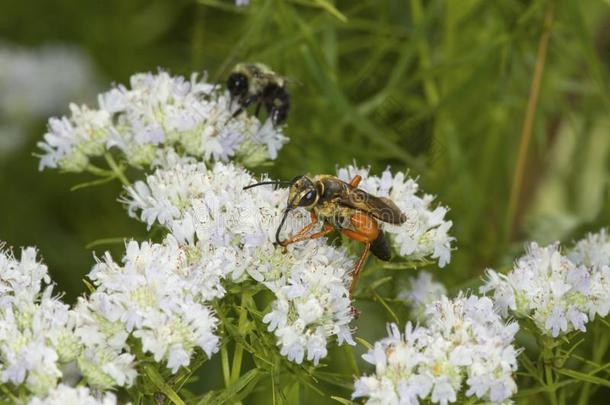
308, 199
237, 83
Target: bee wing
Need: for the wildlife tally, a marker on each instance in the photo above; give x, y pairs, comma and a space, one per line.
292, 81
381, 208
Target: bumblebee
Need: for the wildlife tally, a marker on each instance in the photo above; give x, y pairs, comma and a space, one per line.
342, 206
255, 83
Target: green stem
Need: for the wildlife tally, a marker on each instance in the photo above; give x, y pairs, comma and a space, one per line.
599, 350
224, 359
547, 359
528, 122
99, 171
239, 349
349, 353
8, 393
116, 169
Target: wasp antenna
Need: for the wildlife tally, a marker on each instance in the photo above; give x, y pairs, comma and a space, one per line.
263, 183
279, 228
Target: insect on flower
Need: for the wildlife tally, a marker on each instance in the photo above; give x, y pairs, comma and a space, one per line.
342, 206
255, 83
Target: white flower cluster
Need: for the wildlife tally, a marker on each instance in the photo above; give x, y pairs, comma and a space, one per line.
35, 335
208, 211
592, 251
558, 294
157, 111
40, 337
105, 360
425, 233
64, 395
37, 82
421, 292
463, 340
156, 296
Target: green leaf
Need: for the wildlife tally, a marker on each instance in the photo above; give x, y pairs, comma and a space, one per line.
584, 377
546, 388
343, 400
159, 382
531, 368
340, 380
386, 306
226, 395
408, 265
89, 286
106, 241
324, 4
364, 343
92, 183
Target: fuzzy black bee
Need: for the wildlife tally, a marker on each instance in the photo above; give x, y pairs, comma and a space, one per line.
255, 83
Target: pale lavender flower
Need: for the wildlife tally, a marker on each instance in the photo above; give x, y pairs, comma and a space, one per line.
421, 291
65, 395
155, 112
35, 332
462, 347
156, 296
560, 295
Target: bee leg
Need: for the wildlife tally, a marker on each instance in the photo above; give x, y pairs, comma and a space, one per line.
258, 109
245, 103
355, 181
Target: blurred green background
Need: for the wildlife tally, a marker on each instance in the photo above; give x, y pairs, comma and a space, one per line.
439, 88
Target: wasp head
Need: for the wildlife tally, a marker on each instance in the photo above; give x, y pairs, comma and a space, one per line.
302, 193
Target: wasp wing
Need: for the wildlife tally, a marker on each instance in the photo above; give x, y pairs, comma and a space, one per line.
381, 208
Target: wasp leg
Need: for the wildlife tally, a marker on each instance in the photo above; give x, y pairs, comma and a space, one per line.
355, 181
360, 263
366, 230
302, 234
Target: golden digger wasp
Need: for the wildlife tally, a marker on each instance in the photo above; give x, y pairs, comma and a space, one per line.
342, 206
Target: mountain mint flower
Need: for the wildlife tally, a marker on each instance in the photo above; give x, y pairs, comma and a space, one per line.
422, 291
64, 395
233, 230
558, 294
462, 348
425, 233
105, 360
155, 295
35, 333
157, 111
592, 251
